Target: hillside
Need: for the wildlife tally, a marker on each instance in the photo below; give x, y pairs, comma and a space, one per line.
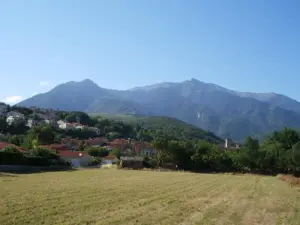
95, 125
165, 126
225, 112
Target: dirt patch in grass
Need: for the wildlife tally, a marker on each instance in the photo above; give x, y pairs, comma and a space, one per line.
291, 180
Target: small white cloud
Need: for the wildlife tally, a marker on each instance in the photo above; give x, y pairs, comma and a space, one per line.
13, 99
43, 83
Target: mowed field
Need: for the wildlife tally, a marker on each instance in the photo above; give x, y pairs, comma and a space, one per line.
110, 196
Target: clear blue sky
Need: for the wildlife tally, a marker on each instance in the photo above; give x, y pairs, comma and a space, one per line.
242, 45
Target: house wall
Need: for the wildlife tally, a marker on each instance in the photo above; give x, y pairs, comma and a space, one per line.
106, 161
10, 120
78, 161
65, 126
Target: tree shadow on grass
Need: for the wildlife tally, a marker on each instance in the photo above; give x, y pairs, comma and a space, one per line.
7, 175
31, 169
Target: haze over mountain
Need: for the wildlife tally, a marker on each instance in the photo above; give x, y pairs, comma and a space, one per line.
225, 112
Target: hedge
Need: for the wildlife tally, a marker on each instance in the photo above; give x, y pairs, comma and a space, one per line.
36, 161
9, 158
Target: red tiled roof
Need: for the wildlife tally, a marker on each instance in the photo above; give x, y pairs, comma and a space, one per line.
58, 147
72, 154
68, 140
119, 141
96, 141
5, 144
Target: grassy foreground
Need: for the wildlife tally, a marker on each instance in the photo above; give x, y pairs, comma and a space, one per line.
110, 196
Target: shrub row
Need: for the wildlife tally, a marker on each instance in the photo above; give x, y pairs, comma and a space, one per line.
9, 158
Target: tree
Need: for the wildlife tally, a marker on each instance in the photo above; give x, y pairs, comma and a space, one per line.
179, 154
18, 127
46, 135
3, 124
115, 152
162, 146
35, 144
251, 144
57, 138
296, 155
143, 135
79, 117
97, 151
15, 139
202, 155
81, 146
240, 159
287, 137
113, 135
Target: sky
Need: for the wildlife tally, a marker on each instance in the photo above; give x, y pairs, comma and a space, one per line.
244, 45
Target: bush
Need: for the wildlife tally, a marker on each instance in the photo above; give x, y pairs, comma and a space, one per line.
94, 161
18, 158
147, 164
45, 153
115, 152
11, 149
152, 163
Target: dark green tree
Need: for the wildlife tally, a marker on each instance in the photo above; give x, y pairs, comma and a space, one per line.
11, 149
162, 149
45, 153
97, 151
3, 124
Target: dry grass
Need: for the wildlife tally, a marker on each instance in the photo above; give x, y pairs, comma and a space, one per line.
291, 180
110, 196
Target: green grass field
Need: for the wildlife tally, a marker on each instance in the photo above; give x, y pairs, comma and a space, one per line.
110, 196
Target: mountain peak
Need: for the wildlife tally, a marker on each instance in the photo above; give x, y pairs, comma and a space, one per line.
84, 83
87, 81
193, 80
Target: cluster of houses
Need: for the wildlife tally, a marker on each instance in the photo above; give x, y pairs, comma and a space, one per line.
68, 149
75, 126
49, 117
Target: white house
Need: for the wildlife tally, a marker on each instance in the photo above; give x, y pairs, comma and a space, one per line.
108, 160
59, 122
77, 159
31, 123
49, 121
13, 116
78, 126
64, 125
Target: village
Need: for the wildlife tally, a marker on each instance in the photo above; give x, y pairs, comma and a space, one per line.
73, 150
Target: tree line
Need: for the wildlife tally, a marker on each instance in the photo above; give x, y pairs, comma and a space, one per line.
278, 153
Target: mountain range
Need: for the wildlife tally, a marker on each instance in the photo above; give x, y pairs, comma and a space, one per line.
227, 113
